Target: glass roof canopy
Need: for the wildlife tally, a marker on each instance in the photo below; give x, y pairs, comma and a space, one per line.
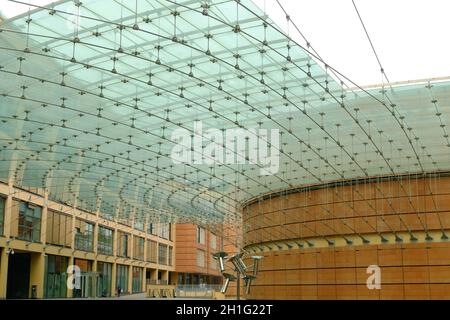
91, 92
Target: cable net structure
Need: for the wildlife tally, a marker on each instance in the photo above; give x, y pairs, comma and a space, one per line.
92, 92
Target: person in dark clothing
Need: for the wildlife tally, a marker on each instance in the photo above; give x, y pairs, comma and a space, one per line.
119, 290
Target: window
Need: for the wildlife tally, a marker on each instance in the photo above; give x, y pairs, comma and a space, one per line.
2, 214
55, 279
122, 278
200, 235
104, 282
29, 222
84, 235
59, 229
122, 245
138, 252
105, 241
164, 230
152, 251
170, 256
162, 254
137, 279
213, 241
200, 258
151, 229
83, 264
213, 263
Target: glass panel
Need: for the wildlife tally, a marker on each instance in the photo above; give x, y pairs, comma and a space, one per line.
84, 236
2, 214
122, 278
138, 248
200, 258
123, 245
29, 222
152, 251
162, 254
105, 279
213, 241
55, 284
105, 241
59, 231
200, 235
102, 102
137, 279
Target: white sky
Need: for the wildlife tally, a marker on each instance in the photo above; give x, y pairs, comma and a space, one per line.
410, 36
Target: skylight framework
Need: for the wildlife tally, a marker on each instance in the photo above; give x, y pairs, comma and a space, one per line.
91, 92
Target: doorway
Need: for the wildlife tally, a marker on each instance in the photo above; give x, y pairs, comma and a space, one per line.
18, 276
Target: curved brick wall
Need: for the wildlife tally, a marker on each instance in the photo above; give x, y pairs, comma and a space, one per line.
318, 241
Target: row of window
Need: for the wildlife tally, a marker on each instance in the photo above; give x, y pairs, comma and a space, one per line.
55, 283
201, 260
201, 238
162, 230
26, 225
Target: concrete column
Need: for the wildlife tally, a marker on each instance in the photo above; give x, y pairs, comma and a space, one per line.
130, 279
95, 244
4, 259
8, 214
72, 240
165, 275
144, 279
131, 246
115, 243
37, 274
44, 219
70, 291
113, 279
174, 277
145, 249
94, 280
154, 275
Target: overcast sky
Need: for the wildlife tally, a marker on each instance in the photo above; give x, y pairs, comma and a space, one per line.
410, 36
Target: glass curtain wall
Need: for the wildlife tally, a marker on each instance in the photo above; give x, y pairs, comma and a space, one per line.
29, 222
104, 280
84, 236
122, 245
122, 278
137, 279
138, 253
105, 241
55, 283
152, 251
162, 254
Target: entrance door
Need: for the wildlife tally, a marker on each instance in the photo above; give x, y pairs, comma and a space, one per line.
18, 276
88, 285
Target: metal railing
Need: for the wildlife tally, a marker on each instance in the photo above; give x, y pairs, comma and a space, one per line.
197, 290
157, 282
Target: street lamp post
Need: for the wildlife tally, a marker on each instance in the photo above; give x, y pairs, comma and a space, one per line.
240, 269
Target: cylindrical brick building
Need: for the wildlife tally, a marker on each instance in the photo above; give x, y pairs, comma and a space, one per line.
319, 240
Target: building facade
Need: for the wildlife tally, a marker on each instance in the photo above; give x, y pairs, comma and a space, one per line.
323, 241
195, 246
40, 239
